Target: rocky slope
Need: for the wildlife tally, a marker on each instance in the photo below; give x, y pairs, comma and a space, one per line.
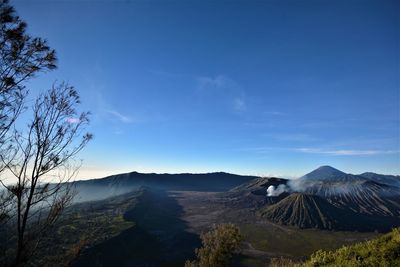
311, 211
326, 198
354, 192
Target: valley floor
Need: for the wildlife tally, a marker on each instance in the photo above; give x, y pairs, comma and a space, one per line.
178, 217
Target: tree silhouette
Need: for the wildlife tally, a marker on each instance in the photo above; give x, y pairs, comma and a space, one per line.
21, 58
39, 158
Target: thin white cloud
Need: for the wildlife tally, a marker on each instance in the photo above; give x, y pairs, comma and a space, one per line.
345, 152
224, 88
333, 152
239, 104
120, 117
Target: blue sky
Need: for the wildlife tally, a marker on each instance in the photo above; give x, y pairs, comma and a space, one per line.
272, 87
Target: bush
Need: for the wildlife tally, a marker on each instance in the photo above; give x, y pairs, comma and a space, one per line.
218, 247
281, 262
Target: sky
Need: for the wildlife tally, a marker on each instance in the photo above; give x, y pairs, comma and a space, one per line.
248, 87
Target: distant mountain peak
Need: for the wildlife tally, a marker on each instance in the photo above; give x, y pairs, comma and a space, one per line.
327, 168
324, 172
368, 173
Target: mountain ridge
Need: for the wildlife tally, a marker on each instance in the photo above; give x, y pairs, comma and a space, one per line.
122, 183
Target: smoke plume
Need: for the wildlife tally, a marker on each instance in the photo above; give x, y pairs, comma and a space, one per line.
273, 191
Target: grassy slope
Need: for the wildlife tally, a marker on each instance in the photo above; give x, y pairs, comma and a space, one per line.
293, 243
383, 251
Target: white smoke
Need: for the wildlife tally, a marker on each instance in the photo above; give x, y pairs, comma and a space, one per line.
273, 191
299, 185
302, 185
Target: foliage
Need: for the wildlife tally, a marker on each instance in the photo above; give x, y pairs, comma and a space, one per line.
218, 247
281, 262
21, 58
383, 251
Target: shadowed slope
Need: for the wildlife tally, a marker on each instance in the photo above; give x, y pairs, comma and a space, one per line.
158, 238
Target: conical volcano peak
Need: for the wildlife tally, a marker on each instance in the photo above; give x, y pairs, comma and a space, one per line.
327, 169
324, 172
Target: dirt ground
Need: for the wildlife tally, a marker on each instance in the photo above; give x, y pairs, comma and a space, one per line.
263, 240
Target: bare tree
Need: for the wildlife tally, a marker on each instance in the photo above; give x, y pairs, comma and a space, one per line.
40, 159
41, 162
21, 58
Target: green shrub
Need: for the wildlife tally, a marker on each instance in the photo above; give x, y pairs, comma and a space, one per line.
218, 247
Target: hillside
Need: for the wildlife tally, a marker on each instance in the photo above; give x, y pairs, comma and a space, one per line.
382, 251
139, 228
253, 194
311, 211
382, 178
304, 211
85, 225
259, 184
